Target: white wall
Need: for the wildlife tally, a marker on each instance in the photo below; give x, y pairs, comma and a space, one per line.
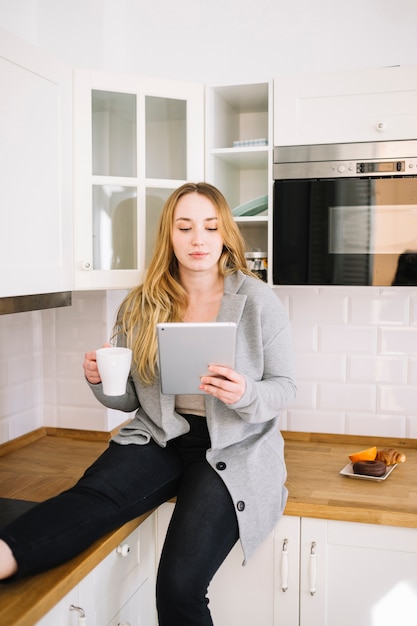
356, 349
216, 41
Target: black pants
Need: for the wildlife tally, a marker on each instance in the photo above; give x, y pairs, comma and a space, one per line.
126, 481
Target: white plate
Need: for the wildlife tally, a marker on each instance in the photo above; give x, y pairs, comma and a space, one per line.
348, 471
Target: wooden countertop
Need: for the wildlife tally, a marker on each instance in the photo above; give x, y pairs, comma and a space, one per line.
40, 465
317, 489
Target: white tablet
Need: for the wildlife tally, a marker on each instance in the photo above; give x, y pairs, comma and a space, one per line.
186, 349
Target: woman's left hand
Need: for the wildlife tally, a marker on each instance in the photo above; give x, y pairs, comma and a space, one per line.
225, 384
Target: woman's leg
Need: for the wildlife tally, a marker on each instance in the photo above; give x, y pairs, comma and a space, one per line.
124, 482
202, 532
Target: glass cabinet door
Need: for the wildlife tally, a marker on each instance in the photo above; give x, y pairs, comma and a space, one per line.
166, 138
155, 200
136, 141
114, 132
115, 244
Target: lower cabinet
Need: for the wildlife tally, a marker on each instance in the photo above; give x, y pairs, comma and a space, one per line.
120, 591
308, 572
351, 573
317, 572
330, 573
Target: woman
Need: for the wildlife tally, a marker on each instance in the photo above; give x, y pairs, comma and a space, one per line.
219, 453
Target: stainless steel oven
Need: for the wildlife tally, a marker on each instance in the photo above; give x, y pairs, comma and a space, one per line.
345, 214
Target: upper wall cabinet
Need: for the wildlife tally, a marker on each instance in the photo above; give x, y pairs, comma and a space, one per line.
36, 163
362, 105
136, 141
239, 156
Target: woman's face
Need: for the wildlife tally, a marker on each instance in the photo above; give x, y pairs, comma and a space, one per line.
196, 240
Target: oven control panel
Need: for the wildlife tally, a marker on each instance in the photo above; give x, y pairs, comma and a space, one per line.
345, 169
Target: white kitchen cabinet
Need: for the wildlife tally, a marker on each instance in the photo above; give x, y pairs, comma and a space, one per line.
366, 574
238, 594
317, 572
348, 573
36, 219
61, 614
120, 590
239, 156
136, 140
351, 106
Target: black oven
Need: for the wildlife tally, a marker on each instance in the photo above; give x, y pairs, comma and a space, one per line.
345, 214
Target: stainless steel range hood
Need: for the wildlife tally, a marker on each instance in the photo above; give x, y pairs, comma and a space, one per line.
36, 302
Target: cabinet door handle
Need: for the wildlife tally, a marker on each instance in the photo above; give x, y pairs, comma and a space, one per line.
284, 566
312, 568
82, 620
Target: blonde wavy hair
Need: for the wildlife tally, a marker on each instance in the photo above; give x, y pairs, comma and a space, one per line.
161, 298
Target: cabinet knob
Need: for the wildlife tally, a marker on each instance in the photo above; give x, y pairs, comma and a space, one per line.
381, 126
87, 265
123, 549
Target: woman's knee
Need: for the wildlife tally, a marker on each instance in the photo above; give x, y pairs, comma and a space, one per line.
181, 597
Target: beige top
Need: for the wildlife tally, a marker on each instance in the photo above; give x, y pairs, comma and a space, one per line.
193, 404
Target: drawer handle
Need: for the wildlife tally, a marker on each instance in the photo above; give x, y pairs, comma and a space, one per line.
123, 549
284, 566
82, 621
313, 568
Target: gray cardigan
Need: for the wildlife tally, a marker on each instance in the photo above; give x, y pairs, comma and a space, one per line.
247, 448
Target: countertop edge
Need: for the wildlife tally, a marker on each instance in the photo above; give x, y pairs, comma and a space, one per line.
351, 514
47, 589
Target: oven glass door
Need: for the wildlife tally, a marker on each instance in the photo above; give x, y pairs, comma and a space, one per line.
357, 231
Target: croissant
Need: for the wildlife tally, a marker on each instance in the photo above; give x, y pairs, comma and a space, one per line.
390, 456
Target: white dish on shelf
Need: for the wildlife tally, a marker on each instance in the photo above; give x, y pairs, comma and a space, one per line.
251, 208
348, 471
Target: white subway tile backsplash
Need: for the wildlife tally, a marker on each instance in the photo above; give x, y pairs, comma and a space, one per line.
70, 365
412, 372
305, 339
346, 397
398, 399
80, 338
306, 395
398, 340
324, 306
412, 426
4, 430
355, 352
348, 339
376, 425
83, 418
413, 309
316, 422
377, 369
320, 366
25, 422
379, 308
74, 393
13, 400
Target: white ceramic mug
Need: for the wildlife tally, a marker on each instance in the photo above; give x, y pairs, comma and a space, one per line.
114, 367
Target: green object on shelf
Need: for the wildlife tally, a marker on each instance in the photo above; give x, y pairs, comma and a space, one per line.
251, 208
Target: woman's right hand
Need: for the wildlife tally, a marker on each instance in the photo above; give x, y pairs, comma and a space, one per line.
90, 366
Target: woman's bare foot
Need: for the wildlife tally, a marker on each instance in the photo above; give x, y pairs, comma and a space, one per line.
8, 565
